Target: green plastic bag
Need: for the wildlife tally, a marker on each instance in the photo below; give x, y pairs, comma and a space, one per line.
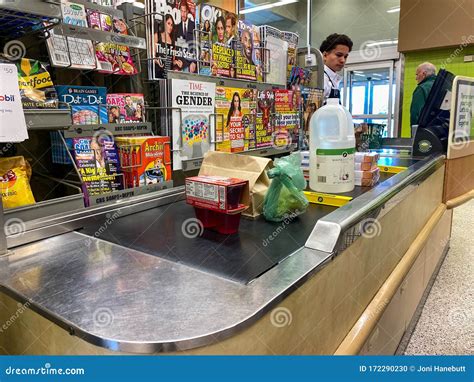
285, 196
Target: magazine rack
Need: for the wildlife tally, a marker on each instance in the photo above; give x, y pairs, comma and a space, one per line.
113, 130
19, 17
49, 11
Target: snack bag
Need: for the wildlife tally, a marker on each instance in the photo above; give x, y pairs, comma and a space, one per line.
14, 182
36, 87
285, 196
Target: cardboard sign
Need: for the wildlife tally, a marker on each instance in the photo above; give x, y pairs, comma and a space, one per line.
12, 119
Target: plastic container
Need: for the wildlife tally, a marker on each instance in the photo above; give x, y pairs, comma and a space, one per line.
332, 148
225, 223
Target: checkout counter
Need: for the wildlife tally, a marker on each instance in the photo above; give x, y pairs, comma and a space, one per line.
124, 277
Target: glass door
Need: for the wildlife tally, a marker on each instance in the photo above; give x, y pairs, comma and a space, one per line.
369, 94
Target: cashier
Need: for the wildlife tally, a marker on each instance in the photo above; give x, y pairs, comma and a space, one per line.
335, 49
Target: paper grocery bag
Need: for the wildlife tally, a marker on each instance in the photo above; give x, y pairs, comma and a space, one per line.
245, 167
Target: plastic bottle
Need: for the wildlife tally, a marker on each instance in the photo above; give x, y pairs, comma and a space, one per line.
332, 148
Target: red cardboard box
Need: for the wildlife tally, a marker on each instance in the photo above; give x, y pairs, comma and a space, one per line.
217, 193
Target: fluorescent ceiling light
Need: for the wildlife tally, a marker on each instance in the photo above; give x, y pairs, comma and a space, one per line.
376, 75
139, 5
393, 10
358, 71
386, 42
267, 6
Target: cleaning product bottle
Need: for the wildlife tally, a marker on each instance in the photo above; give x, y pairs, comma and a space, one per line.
332, 148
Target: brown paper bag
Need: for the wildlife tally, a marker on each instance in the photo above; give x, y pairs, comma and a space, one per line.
245, 167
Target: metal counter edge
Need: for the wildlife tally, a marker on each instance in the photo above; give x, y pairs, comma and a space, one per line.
338, 230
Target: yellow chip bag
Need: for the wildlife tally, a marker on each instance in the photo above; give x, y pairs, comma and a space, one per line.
14, 182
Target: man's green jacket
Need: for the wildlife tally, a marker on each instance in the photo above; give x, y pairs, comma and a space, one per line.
419, 98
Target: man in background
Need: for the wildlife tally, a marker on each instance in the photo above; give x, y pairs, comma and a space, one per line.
425, 77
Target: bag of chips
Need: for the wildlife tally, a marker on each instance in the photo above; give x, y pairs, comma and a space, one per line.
36, 87
15, 173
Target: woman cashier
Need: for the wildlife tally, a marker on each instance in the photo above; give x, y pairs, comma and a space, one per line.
335, 50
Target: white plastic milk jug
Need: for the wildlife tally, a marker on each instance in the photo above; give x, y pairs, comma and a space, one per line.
332, 148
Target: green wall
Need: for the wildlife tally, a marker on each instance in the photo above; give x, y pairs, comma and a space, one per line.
451, 58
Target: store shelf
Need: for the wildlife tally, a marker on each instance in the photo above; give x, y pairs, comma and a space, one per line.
47, 9
19, 18
223, 81
76, 131
128, 193
47, 208
74, 200
99, 36
48, 119
101, 8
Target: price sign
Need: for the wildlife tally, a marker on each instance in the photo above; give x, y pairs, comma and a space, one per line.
12, 119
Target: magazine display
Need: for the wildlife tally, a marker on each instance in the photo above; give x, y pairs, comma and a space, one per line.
111, 58
217, 54
286, 114
170, 37
87, 103
245, 54
299, 77
292, 40
312, 101
197, 101
98, 164
125, 107
263, 125
235, 118
71, 52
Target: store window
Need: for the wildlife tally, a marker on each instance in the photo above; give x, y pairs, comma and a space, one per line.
370, 94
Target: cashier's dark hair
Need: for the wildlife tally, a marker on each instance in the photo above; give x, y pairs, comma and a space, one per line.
333, 40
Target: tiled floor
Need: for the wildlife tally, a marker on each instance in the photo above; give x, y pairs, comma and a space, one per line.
446, 325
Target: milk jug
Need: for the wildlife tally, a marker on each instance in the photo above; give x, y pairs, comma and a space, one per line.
332, 148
